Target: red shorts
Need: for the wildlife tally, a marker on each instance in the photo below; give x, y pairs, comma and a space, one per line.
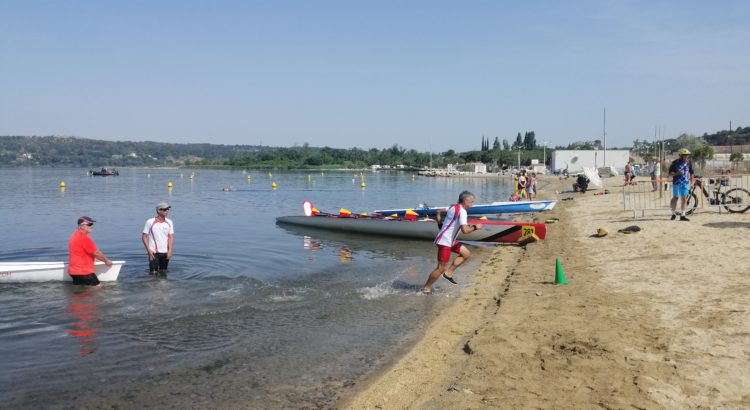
444, 252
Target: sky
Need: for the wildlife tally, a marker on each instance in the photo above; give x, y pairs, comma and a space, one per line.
426, 75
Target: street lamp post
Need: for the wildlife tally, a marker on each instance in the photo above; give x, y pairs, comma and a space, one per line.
519, 159
544, 156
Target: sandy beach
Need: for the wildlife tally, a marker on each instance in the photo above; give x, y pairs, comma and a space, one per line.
655, 319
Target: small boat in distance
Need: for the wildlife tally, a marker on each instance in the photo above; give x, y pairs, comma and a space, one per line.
16, 272
105, 172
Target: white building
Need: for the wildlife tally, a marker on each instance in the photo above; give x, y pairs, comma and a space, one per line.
575, 160
476, 167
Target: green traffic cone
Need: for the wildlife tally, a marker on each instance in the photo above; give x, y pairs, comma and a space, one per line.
559, 275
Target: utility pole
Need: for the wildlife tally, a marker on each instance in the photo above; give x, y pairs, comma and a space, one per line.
604, 136
519, 159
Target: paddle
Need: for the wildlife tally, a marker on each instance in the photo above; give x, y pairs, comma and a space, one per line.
482, 244
310, 210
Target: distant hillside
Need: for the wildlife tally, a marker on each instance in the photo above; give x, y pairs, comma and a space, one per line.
88, 153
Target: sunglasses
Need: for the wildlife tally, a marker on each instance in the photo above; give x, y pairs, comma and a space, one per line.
89, 224
164, 209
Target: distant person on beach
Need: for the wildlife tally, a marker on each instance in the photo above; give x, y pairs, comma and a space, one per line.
629, 175
723, 179
82, 252
681, 172
455, 222
654, 172
531, 189
158, 238
581, 184
523, 183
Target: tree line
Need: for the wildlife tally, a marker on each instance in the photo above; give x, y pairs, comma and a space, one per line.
90, 153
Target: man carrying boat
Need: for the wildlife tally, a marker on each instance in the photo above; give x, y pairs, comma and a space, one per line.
456, 221
158, 238
82, 252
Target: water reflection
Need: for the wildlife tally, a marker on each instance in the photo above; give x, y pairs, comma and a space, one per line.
345, 255
310, 243
83, 305
314, 239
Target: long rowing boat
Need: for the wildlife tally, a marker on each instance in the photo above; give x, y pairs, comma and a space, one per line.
507, 207
492, 231
52, 271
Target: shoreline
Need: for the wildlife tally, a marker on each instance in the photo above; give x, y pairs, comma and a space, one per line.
640, 324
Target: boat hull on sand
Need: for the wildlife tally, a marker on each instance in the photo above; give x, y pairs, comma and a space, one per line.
509, 207
15, 272
492, 231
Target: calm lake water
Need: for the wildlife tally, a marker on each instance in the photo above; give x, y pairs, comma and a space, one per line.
251, 314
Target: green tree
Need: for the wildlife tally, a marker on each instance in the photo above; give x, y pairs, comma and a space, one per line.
702, 154
529, 140
518, 143
736, 157
506, 144
496, 144
689, 141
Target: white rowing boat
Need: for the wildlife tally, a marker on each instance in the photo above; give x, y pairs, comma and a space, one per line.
12, 272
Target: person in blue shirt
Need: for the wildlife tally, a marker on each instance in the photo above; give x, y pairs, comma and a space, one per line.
681, 172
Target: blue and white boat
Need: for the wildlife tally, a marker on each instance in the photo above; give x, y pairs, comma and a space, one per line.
509, 207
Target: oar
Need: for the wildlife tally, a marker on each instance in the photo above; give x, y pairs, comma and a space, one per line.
521, 242
482, 244
310, 210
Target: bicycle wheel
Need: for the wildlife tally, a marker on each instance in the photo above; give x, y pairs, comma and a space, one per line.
736, 200
692, 203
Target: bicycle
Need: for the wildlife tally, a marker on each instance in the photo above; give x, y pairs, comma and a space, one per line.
735, 200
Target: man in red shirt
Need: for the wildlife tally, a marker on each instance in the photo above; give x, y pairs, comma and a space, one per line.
83, 251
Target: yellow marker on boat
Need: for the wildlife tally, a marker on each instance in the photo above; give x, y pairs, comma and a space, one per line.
169, 185
273, 185
62, 184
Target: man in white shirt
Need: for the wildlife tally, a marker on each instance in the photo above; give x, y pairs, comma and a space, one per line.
456, 221
158, 238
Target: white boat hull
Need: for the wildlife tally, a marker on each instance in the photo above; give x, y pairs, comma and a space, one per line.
14, 272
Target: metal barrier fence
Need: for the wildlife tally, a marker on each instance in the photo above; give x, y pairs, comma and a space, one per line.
720, 193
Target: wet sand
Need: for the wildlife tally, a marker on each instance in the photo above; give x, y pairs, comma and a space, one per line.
656, 319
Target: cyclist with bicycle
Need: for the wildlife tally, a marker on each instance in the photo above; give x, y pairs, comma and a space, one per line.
681, 171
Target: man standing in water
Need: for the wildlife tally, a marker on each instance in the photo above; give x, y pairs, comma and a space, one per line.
158, 238
82, 252
456, 221
681, 172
